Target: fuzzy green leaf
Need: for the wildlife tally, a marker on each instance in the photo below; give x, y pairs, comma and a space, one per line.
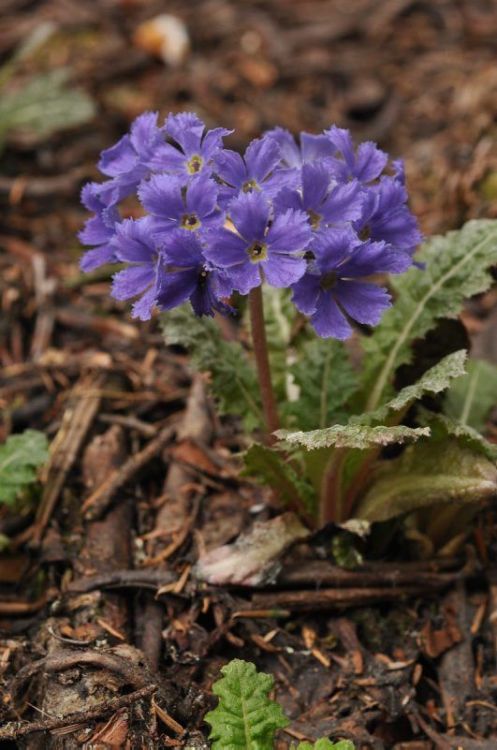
434, 380
272, 468
443, 427
45, 105
456, 268
352, 436
245, 718
233, 379
279, 313
20, 456
470, 399
325, 744
326, 381
428, 474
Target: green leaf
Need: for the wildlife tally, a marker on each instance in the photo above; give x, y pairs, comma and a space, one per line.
45, 105
326, 381
233, 379
20, 456
426, 474
470, 398
245, 718
271, 468
352, 436
456, 268
434, 380
442, 427
279, 313
325, 744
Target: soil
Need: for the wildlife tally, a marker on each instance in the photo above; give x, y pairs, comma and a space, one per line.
107, 638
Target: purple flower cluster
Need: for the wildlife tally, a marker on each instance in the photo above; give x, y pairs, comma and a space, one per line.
319, 217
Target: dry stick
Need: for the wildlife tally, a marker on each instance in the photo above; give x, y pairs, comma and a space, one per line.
333, 598
262, 361
16, 729
76, 422
98, 502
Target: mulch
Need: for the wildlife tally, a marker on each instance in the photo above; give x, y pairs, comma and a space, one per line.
107, 638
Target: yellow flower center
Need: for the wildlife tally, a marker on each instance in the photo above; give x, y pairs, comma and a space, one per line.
190, 222
194, 164
250, 186
315, 219
328, 281
257, 252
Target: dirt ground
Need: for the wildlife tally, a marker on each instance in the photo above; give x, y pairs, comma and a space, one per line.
107, 640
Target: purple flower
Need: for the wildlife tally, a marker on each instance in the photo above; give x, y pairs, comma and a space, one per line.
192, 148
99, 230
312, 147
333, 286
324, 201
174, 206
134, 244
258, 247
186, 275
386, 216
365, 164
258, 171
129, 160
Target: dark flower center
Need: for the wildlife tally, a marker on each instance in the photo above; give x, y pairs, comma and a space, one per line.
328, 281
365, 233
202, 277
190, 222
315, 219
257, 251
194, 164
250, 186
309, 255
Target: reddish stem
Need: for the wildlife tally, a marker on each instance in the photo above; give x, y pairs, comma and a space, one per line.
262, 360
330, 501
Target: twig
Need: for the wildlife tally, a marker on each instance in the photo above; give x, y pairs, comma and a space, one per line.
122, 579
76, 422
332, 598
98, 502
16, 729
322, 573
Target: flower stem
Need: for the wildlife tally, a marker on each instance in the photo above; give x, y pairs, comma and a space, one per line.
262, 360
331, 500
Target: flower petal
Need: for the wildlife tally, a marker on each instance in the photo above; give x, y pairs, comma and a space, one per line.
290, 232
344, 203
142, 309
97, 257
306, 293
225, 248
131, 281
230, 167
262, 156
283, 270
175, 287
201, 196
161, 196
183, 248
249, 212
118, 159
364, 302
289, 151
134, 241
328, 321
370, 162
